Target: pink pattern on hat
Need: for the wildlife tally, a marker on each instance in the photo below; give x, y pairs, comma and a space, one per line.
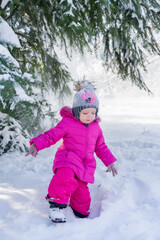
86, 95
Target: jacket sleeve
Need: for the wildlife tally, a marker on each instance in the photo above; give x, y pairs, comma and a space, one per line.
51, 136
102, 151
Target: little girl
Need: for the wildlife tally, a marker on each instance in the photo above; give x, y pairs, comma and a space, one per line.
74, 164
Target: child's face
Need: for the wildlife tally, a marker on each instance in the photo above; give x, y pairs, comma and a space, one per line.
87, 115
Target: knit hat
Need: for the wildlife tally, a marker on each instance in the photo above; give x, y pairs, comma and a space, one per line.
85, 97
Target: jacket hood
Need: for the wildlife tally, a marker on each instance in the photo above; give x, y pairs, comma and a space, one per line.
67, 112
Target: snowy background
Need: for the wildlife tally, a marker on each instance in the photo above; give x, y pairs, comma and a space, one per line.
126, 207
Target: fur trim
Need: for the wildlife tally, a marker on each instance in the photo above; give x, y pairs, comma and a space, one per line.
67, 112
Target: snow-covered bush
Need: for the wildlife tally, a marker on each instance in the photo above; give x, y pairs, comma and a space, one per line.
12, 136
21, 105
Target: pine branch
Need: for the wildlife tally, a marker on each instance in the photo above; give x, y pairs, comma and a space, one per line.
78, 27
21, 110
24, 36
13, 12
3, 10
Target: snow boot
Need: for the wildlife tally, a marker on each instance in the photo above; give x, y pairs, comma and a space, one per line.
56, 213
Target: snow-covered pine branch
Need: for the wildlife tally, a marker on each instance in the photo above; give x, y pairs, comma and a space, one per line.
22, 107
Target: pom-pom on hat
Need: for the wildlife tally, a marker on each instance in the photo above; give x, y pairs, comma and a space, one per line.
85, 97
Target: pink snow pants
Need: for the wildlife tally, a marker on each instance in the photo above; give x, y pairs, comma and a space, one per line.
64, 186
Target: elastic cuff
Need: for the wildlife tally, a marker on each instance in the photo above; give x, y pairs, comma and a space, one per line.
57, 205
80, 215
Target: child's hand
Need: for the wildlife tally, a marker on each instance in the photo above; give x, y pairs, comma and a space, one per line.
32, 151
111, 168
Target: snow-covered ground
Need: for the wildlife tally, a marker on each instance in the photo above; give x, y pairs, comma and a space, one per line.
125, 207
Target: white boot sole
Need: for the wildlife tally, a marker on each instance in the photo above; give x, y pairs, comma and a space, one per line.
58, 220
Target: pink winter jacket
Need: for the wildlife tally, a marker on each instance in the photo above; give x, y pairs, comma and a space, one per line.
78, 146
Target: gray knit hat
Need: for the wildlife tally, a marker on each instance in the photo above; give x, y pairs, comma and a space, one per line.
85, 97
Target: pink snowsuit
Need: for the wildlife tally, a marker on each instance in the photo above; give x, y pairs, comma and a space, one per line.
74, 164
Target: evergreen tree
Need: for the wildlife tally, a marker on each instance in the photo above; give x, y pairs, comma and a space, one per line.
130, 34
33, 23
21, 110
12, 135
127, 28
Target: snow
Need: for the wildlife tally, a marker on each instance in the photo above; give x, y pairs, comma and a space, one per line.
29, 76
7, 35
123, 207
22, 95
11, 134
4, 2
139, 21
70, 12
126, 207
7, 56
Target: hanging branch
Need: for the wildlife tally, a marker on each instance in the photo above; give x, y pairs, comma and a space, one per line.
26, 37
10, 90
13, 12
3, 10
4, 14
